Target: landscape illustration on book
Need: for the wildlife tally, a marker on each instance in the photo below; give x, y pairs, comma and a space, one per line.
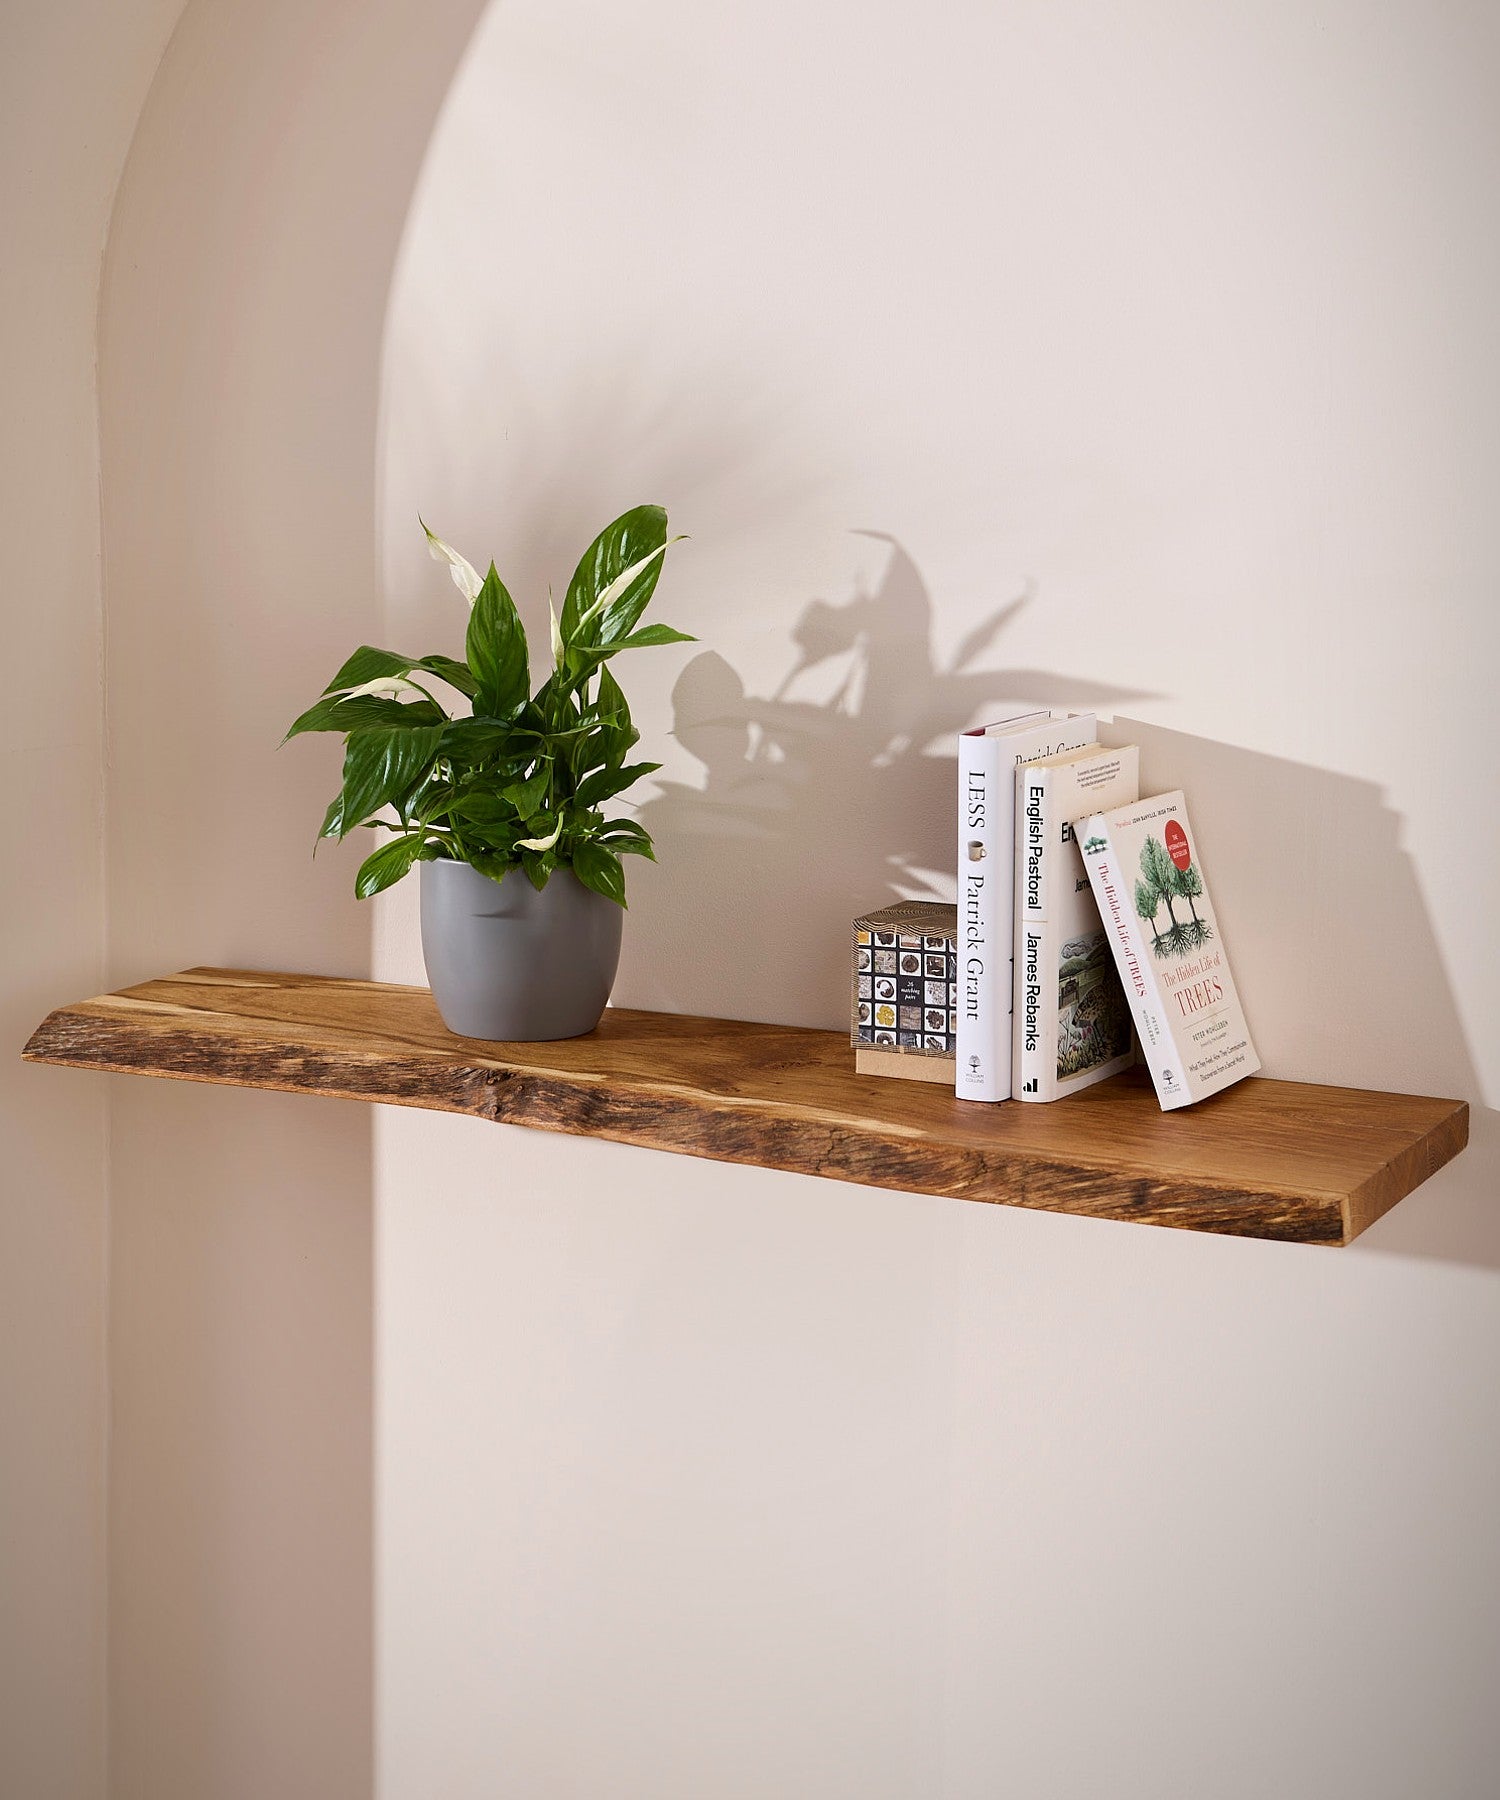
1093, 1015
1071, 1021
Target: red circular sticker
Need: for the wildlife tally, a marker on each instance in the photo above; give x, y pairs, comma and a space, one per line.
1177, 844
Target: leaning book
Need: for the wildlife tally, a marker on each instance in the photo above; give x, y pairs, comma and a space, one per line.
1144, 865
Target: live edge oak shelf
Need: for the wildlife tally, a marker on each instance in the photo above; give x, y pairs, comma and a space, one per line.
1267, 1159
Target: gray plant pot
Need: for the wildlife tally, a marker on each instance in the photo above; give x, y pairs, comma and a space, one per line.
507, 961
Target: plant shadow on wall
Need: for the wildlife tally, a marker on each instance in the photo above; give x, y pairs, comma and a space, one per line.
811, 811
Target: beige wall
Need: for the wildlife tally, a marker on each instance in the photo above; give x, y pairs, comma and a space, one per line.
72, 80
1173, 327
455, 1459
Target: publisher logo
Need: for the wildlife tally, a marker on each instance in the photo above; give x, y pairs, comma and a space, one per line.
1177, 844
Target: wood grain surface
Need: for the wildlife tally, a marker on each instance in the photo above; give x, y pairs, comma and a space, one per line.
1268, 1159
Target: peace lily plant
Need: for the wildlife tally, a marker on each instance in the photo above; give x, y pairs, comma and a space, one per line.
522, 781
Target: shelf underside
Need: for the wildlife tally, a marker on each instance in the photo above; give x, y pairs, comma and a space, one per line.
1268, 1159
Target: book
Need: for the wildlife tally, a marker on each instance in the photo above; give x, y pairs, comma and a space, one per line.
1143, 863
1071, 1020
904, 999
987, 759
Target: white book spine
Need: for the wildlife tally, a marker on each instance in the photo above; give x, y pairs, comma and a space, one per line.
1033, 1023
1112, 890
987, 761
1071, 1026
982, 1041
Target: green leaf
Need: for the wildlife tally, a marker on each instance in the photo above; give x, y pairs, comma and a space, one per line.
627, 541
318, 717
365, 664
583, 662
605, 783
382, 763
471, 741
456, 674
619, 741
527, 796
434, 800
537, 868
352, 715
625, 606
334, 714
496, 651
626, 837
488, 810
599, 869
546, 734
387, 865
617, 735
654, 634
496, 836
610, 704
333, 819
488, 863
623, 583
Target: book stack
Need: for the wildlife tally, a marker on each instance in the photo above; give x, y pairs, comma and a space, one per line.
1084, 925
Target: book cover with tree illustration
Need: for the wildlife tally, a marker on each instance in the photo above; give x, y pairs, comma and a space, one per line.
1070, 1021
1163, 933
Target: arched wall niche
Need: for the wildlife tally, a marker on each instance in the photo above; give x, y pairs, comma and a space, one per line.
241, 315
748, 1473
72, 82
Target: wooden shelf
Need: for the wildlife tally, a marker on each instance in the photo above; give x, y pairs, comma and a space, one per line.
1268, 1159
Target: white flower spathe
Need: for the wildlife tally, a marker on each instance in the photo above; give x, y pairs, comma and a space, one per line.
557, 643
623, 581
466, 577
383, 687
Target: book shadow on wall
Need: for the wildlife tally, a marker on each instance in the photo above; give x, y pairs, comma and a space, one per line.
813, 809
1335, 957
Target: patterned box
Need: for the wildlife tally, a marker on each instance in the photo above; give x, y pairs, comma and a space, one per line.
905, 993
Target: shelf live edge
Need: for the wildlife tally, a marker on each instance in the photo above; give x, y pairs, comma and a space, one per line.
1269, 1159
